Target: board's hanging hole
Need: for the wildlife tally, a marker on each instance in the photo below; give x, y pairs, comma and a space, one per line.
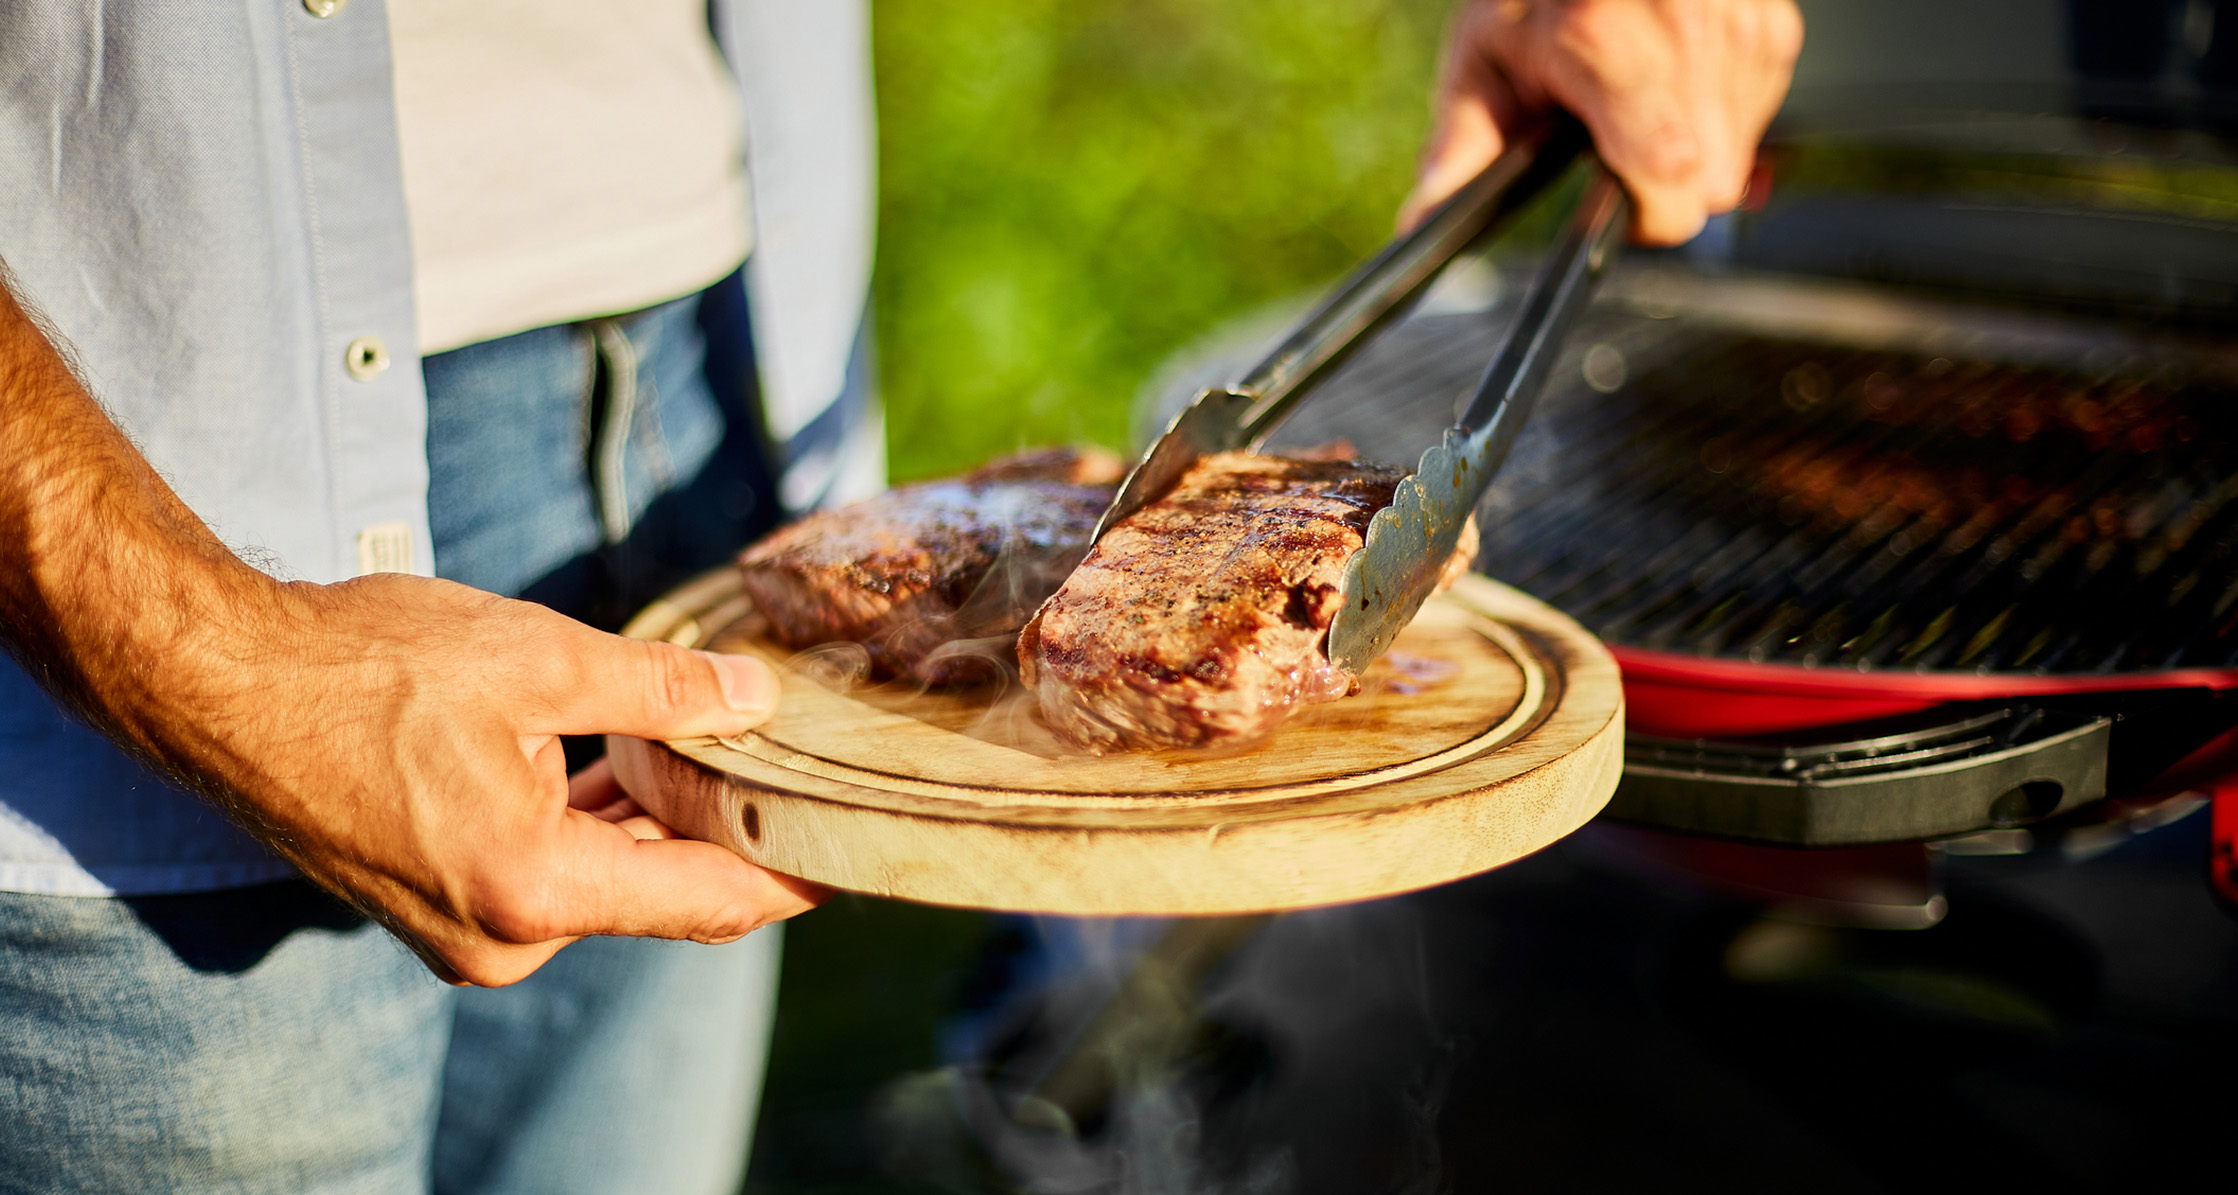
750, 820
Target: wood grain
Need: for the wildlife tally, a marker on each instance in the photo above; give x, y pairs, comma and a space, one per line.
1494, 727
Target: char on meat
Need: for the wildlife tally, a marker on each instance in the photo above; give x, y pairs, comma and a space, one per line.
922, 567
1203, 618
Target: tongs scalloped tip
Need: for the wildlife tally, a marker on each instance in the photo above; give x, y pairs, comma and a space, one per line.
1409, 542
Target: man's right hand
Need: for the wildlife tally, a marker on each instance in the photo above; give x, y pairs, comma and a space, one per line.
397, 739
394, 737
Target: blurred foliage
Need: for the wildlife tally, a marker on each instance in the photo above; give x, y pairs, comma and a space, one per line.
1071, 191
2108, 181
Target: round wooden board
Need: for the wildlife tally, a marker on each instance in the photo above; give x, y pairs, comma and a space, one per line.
1493, 727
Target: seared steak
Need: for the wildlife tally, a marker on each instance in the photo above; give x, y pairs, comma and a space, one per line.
1203, 617
924, 566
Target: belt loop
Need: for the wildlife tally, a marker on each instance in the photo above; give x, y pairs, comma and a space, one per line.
610, 440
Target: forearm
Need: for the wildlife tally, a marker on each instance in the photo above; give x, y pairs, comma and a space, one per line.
395, 737
106, 578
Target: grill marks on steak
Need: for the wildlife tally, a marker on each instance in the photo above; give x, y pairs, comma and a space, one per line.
1203, 618
921, 567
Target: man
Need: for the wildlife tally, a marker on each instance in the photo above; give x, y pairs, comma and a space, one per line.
372, 292
247, 220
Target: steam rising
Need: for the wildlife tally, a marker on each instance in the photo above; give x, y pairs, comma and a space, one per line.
960, 647
1232, 1055
836, 666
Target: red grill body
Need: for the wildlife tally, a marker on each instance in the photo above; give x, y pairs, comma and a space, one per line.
1670, 695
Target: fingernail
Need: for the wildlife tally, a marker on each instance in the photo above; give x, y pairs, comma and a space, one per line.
749, 686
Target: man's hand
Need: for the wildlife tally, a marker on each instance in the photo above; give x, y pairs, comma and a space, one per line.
1676, 92
394, 737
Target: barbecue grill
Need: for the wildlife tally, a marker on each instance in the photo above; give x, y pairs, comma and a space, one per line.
1908, 517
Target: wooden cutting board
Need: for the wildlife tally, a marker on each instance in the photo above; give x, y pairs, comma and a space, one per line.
1493, 727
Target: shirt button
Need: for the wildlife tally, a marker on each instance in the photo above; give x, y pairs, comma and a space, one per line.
324, 8
367, 358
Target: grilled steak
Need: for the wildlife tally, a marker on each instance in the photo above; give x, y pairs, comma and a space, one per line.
1203, 617
922, 567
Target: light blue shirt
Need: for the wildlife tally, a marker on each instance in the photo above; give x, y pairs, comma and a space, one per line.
204, 199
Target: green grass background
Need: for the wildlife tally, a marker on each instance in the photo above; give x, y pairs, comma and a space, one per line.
1072, 190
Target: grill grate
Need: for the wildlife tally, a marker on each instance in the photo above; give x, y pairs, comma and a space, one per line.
1781, 499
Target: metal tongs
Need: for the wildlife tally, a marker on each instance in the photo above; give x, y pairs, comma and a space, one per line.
1409, 541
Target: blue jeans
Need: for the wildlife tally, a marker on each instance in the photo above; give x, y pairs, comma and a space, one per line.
268, 1039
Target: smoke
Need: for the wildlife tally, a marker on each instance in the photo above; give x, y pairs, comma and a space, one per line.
944, 647
836, 666
1222, 1056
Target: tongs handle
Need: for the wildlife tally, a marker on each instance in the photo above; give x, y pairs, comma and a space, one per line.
1382, 288
1558, 296
1223, 419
